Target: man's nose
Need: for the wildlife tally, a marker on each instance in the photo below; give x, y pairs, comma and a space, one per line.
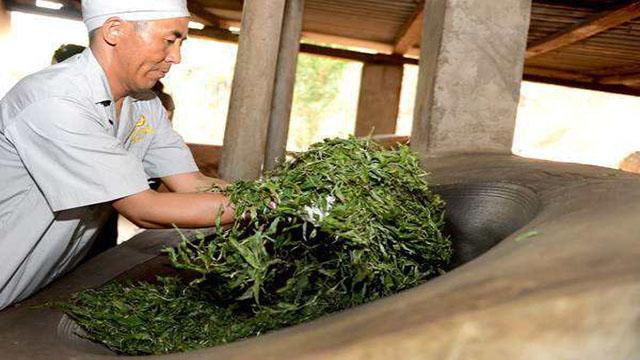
174, 55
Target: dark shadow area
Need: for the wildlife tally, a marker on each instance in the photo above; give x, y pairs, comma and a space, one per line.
480, 215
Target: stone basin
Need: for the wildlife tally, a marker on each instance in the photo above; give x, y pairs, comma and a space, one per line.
546, 267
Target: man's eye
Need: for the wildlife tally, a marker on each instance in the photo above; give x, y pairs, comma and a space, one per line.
170, 41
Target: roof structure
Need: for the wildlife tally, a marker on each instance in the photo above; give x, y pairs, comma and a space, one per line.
593, 44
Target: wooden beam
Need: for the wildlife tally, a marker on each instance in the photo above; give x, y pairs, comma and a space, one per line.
616, 89
371, 45
414, 52
557, 74
227, 36
410, 31
64, 13
628, 79
216, 34
75, 4
8, 3
592, 26
375, 46
196, 9
5, 19
220, 33
618, 84
356, 55
607, 83
229, 5
615, 70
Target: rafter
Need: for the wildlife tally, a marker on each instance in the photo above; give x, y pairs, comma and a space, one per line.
623, 84
617, 89
592, 26
227, 36
557, 74
375, 46
616, 70
75, 4
230, 5
4, 18
196, 9
628, 79
67, 12
356, 55
602, 79
410, 31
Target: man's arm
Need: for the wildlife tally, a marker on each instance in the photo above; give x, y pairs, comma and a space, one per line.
185, 205
153, 210
190, 182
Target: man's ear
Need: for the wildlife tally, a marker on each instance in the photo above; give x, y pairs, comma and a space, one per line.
113, 30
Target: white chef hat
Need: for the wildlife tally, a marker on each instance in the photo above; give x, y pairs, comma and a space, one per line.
96, 12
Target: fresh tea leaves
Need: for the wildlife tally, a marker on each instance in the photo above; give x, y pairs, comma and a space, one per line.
342, 224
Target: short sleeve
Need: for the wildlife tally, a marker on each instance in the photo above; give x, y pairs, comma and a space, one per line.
72, 157
167, 154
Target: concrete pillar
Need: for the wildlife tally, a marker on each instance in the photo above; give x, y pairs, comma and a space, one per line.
252, 90
284, 83
471, 61
379, 100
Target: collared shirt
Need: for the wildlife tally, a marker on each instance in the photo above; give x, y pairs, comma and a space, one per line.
63, 158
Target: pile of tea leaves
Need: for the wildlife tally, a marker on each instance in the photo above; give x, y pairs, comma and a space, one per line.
344, 223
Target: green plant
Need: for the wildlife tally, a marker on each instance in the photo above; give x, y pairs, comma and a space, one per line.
342, 224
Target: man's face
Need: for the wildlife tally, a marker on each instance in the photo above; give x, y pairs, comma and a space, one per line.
148, 50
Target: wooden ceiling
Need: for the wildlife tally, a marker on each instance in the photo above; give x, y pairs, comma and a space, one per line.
592, 44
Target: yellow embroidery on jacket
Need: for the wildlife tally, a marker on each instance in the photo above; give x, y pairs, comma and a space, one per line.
141, 129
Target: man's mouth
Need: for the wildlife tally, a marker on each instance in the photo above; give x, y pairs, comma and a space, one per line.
163, 71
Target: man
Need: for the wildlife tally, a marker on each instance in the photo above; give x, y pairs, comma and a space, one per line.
76, 140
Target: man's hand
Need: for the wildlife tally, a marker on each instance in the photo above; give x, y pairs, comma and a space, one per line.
191, 182
219, 182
